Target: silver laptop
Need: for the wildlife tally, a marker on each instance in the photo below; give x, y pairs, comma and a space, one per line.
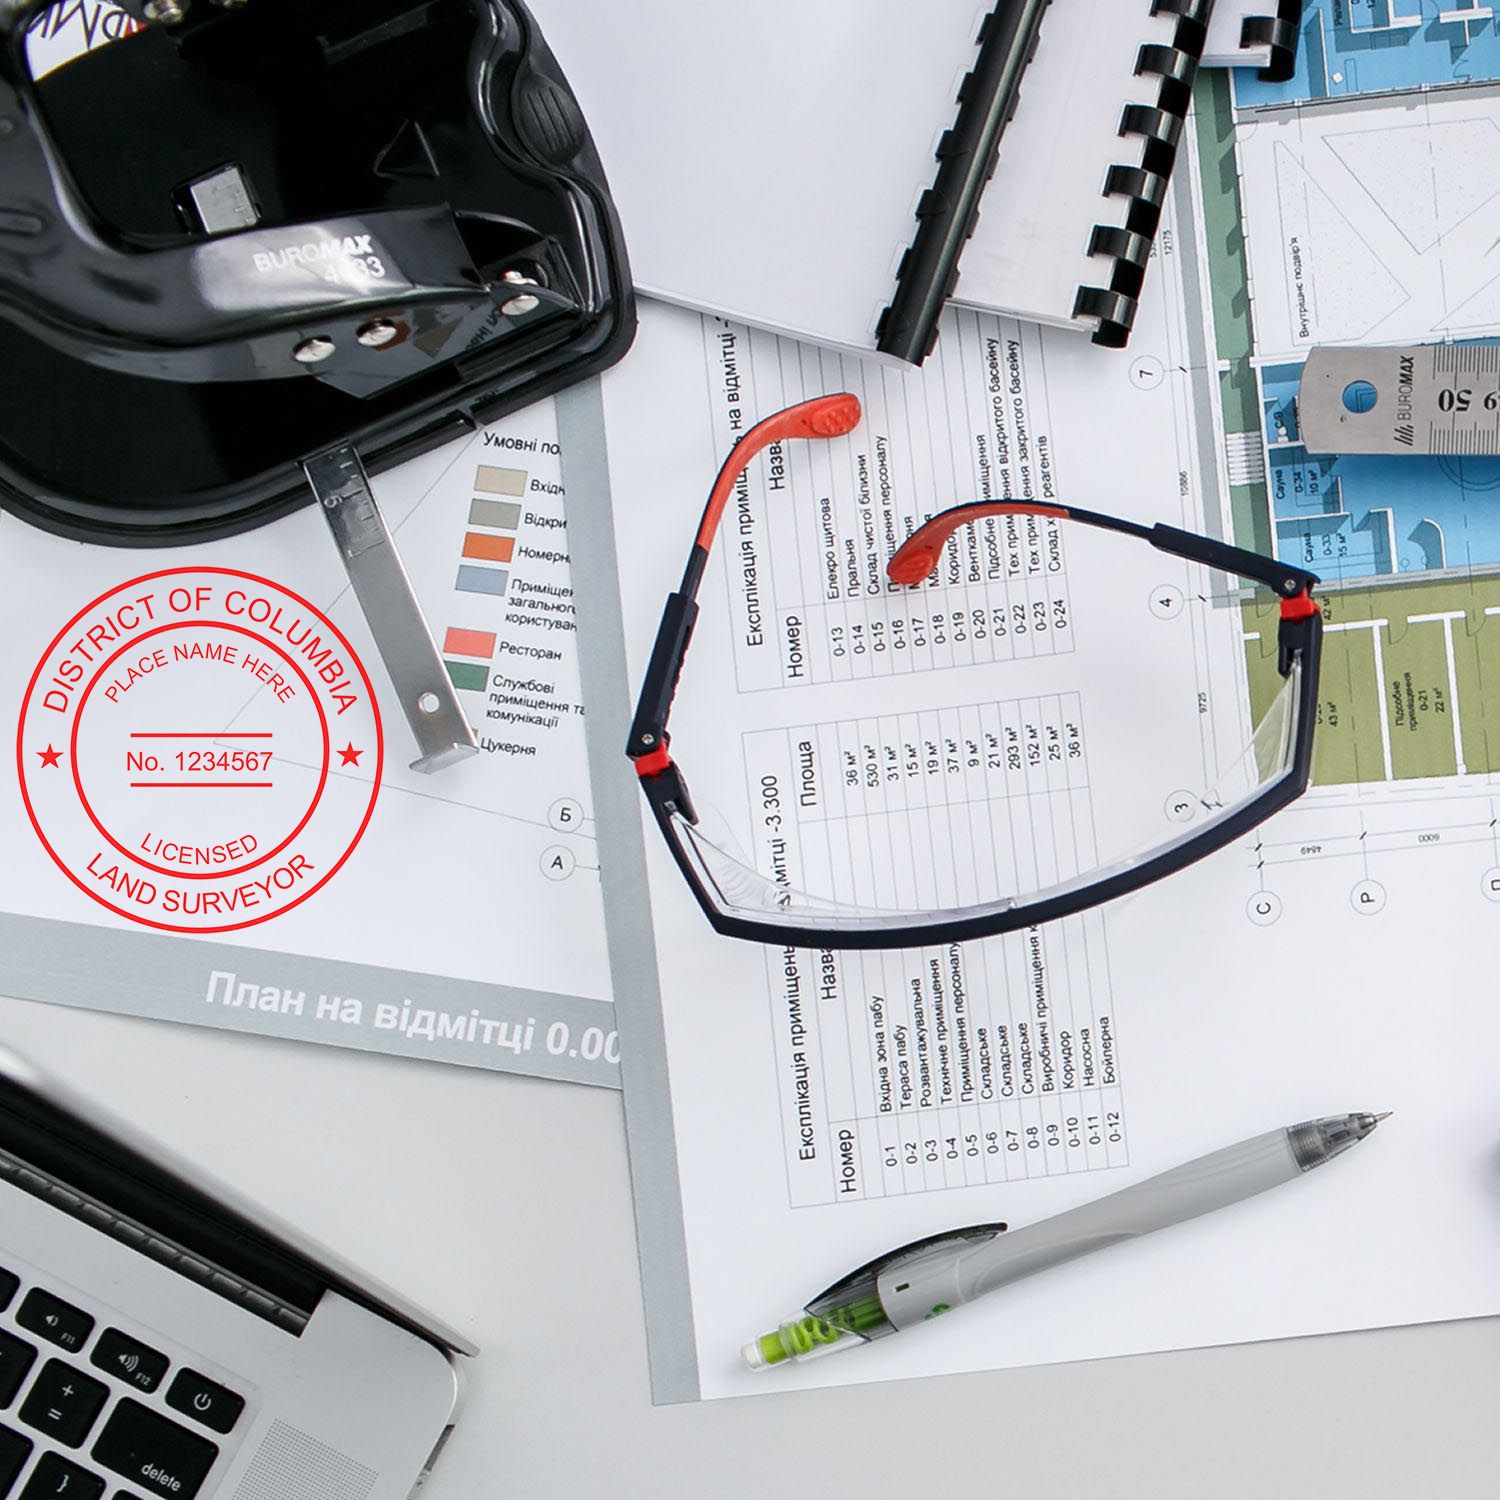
161, 1339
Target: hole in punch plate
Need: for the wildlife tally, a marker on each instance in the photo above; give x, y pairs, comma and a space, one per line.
1359, 396
429, 703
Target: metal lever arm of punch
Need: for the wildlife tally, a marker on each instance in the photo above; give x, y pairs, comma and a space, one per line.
385, 594
390, 228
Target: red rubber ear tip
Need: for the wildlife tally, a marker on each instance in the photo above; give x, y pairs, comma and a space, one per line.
836, 416
911, 565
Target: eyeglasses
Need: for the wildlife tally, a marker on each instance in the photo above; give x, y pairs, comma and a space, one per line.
1003, 874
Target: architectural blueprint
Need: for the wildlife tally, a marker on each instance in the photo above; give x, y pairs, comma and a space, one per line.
1359, 204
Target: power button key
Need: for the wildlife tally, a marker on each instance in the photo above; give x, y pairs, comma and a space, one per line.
198, 1397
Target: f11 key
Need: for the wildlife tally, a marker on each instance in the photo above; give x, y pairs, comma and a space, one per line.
51, 1318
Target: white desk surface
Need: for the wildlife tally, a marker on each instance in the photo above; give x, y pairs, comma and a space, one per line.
503, 1203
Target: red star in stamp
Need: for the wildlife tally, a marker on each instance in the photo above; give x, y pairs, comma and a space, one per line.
49, 756
349, 756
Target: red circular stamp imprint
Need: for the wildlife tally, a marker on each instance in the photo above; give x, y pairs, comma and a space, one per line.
199, 750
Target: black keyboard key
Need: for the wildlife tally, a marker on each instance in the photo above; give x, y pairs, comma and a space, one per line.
118, 1354
54, 1478
14, 1451
155, 1455
51, 1318
204, 1401
16, 1358
63, 1404
10, 1284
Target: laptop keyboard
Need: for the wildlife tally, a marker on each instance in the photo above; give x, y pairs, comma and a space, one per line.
70, 1418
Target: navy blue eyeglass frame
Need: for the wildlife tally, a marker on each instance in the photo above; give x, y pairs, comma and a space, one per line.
1299, 639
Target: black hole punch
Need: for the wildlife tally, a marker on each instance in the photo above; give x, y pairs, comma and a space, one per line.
416, 206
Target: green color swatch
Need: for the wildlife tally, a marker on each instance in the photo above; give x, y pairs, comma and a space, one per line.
468, 675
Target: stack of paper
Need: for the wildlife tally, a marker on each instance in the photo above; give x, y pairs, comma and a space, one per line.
768, 160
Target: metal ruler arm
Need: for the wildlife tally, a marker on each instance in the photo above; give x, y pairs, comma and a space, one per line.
1421, 398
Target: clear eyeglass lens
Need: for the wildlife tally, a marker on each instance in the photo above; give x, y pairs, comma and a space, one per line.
1023, 825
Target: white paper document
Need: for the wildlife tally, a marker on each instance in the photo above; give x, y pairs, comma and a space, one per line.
1030, 252
1226, 28
183, 840
767, 160
775, 183
795, 1113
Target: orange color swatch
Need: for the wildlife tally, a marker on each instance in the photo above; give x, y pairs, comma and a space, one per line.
489, 548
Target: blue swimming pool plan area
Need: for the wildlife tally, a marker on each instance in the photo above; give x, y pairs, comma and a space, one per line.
1355, 47
1371, 516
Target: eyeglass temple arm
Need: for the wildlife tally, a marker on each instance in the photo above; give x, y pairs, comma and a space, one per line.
1284, 580
918, 555
647, 745
823, 417
833, 416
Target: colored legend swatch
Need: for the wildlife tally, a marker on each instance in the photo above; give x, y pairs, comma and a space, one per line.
468, 676
495, 516
492, 481
479, 643
473, 580
503, 515
489, 548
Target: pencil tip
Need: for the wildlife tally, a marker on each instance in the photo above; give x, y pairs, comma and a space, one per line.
1385, 1116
